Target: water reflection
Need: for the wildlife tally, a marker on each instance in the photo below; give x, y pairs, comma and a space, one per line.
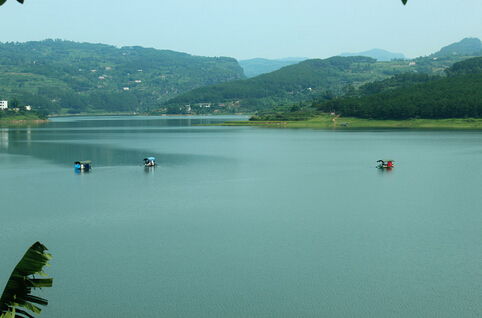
149, 170
64, 142
384, 170
80, 172
100, 155
4, 138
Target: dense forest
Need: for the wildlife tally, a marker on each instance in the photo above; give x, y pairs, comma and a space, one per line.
403, 97
57, 76
318, 80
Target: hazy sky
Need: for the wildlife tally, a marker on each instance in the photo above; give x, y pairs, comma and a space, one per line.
249, 28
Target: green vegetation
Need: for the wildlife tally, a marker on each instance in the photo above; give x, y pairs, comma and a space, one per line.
67, 77
17, 293
306, 81
456, 96
327, 121
20, 114
401, 97
294, 83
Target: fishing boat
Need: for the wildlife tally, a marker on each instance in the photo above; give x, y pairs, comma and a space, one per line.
149, 162
84, 165
385, 164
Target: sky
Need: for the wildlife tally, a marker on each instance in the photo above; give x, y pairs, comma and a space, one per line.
248, 28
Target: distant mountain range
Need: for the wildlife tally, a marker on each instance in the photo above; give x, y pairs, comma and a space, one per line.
258, 66
377, 54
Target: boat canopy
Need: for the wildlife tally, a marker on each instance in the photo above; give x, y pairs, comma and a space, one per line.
85, 162
151, 158
386, 160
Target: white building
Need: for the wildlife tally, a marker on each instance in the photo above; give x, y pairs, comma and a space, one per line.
3, 104
28, 108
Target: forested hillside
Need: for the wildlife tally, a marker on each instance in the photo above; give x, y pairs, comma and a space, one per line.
306, 81
457, 95
62, 76
294, 83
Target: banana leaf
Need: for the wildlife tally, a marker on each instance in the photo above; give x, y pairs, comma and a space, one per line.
19, 287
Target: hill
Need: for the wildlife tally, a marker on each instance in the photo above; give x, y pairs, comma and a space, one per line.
309, 80
61, 76
258, 66
378, 54
292, 83
455, 96
466, 47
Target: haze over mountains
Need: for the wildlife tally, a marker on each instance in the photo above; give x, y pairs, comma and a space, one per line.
258, 66
378, 54
466, 47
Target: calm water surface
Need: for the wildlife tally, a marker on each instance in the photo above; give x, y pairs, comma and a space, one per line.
245, 222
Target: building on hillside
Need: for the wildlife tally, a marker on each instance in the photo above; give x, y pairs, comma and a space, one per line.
28, 108
3, 104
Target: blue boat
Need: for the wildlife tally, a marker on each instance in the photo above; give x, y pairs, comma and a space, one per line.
149, 162
84, 165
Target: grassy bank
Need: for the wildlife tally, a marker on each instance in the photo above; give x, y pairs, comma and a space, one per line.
21, 118
328, 122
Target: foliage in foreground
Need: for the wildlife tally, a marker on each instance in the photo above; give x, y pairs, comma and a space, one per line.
21, 1
3, 1
17, 293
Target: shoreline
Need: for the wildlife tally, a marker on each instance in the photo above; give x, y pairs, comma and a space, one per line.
328, 122
140, 114
8, 122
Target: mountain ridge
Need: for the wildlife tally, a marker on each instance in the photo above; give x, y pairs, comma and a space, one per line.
378, 54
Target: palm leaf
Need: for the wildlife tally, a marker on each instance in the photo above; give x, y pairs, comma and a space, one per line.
17, 293
404, 2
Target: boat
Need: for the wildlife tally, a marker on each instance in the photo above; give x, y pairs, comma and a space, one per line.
385, 164
149, 162
84, 165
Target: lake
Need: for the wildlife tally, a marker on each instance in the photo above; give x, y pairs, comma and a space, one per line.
245, 221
